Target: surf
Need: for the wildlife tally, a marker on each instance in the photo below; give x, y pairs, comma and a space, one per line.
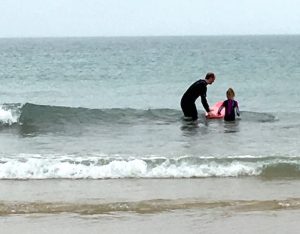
35, 166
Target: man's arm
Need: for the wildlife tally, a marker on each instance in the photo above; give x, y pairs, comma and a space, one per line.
204, 103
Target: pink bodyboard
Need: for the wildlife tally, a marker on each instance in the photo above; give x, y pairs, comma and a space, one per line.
214, 111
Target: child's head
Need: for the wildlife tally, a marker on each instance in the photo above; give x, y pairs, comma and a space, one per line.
230, 93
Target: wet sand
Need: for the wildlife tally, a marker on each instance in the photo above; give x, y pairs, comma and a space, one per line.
214, 205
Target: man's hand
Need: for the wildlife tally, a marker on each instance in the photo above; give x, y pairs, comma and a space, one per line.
210, 114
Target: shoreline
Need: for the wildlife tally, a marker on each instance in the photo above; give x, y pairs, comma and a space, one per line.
214, 205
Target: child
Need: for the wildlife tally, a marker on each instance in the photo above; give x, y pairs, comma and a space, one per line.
230, 106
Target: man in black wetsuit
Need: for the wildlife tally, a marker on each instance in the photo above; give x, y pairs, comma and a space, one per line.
190, 96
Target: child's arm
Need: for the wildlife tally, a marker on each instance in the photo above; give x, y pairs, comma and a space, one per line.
237, 109
220, 109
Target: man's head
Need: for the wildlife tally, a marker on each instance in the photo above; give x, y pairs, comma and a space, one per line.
210, 78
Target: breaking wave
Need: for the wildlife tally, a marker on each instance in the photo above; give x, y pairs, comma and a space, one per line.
68, 167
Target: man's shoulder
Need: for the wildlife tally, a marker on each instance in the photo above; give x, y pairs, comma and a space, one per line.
201, 82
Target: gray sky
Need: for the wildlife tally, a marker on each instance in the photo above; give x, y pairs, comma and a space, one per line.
42, 18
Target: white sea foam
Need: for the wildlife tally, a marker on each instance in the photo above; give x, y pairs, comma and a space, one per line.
36, 167
7, 116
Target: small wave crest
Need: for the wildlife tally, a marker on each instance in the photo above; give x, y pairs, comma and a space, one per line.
67, 167
257, 117
44, 116
47, 118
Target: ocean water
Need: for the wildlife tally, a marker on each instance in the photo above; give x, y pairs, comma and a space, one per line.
79, 113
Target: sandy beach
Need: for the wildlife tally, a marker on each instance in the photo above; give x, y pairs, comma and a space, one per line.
214, 205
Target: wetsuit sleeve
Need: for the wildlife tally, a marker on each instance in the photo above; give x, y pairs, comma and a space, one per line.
204, 102
237, 109
220, 109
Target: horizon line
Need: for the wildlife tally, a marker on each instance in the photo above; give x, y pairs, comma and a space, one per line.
141, 36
